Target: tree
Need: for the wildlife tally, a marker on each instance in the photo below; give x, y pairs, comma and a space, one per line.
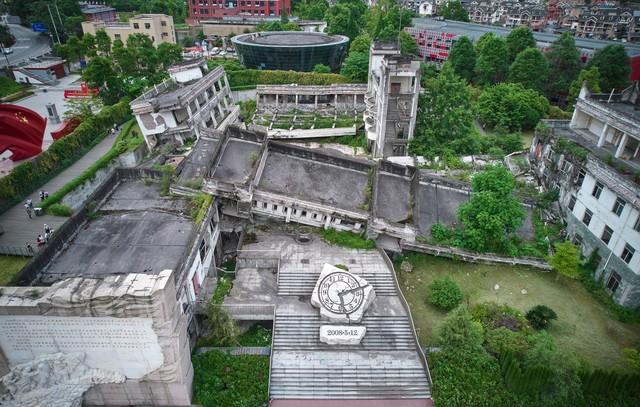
530, 69
73, 25
453, 10
100, 74
362, 43
6, 39
188, 41
81, 108
408, 45
511, 107
444, 293
460, 332
613, 63
444, 114
88, 44
463, 58
321, 68
169, 54
386, 19
201, 36
222, 329
356, 66
491, 64
518, 40
103, 42
566, 259
564, 64
312, 9
493, 214
346, 17
591, 76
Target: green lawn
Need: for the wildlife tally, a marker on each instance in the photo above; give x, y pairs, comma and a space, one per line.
583, 325
8, 86
10, 266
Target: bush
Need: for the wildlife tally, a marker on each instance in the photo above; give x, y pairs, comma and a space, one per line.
8, 86
59, 210
347, 239
252, 77
441, 233
444, 293
541, 316
221, 379
257, 335
222, 330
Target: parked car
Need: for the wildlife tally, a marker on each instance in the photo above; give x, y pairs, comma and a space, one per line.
7, 51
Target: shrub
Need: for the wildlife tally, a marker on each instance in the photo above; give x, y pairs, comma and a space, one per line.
347, 239
257, 335
566, 259
444, 293
59, 210
222, 330
541, 316
502, 341
441, 233
493, 316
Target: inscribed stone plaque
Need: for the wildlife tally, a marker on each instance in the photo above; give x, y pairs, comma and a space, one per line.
125, 345
342, 334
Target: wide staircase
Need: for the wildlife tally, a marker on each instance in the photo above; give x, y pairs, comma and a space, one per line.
386, 365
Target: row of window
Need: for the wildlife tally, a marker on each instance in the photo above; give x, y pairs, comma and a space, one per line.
302, 213
618, 206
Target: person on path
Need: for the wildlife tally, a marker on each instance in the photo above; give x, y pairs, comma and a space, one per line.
46, 195
30, 203
41, 196
40, 241
29, 248
47, 229
28, 209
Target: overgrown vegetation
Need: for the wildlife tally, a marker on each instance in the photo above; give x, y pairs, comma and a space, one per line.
540, 316
235, 381
10, 267
9, 87
257, 335
59, 210
28, 176
199, 205
225, 284
347, 239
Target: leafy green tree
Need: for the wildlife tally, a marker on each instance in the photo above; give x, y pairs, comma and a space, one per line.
100, 74
201, 36
169, 54
592, 76
541, 316
222, 329
518, 40
72, 25
483, 41
88, 44
362, 43
491, 64
566, 259
463, 58
312, 9
321, 68
346, 17
493, 214
386, 19
459, 331
408, 45
511, 107
103, 42
6, 38
530, 69
612, 62
444, 114
564, 64
356, 66
453, 10
188, 41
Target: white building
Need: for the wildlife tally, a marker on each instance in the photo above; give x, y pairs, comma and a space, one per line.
593, 160
193, 101
391, 100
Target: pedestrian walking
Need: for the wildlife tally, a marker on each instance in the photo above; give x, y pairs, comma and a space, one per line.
41, 195
30, 203
46, 237
28, 209
46, 195
29, 248
47, 229
40, 240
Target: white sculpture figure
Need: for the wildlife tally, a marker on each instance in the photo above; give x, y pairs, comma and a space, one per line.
342, 297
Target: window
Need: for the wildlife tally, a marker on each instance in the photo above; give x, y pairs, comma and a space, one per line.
163, 23
147, 25
264, 205
597, 190
581, 176
304, 213
627, 253
116, 36
212, 225
618, 207
606, 234
613, 282
586, 219
136, 25
577, 240
572, 202
202, 250
636, 226
275, 207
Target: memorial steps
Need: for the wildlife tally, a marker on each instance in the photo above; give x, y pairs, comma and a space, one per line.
296, 283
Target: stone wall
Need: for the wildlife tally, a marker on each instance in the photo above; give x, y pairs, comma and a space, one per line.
130, 325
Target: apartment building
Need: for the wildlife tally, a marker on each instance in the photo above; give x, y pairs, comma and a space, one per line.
202, 10
159, 27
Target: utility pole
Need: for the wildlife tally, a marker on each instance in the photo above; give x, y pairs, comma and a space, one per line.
59, 18
54, 24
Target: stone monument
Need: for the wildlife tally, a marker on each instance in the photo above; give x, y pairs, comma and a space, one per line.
342, 298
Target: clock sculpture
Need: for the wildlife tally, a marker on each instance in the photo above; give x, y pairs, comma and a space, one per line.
342, 298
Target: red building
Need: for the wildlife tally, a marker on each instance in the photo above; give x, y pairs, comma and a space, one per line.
98, 12
217, 9
433, 45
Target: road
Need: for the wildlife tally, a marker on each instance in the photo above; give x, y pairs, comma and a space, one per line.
28, 44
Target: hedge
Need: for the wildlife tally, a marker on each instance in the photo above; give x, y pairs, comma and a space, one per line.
31, 175
247, 78
122, 144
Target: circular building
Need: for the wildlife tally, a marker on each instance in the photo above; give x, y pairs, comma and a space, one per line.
290, 50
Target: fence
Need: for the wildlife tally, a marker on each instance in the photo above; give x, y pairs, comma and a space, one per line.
17, 251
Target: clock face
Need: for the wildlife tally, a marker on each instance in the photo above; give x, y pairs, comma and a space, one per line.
340, 293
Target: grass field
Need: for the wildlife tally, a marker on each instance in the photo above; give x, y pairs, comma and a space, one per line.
583, 325
10, 266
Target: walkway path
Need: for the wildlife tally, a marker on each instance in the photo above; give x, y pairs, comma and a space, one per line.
19, 229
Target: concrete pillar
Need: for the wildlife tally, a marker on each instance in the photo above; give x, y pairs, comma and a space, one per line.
315, 103
603, 135
277, 100
335, 101
213, 117
327, 222
355, 101
296, 99
288, 213
622, 145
